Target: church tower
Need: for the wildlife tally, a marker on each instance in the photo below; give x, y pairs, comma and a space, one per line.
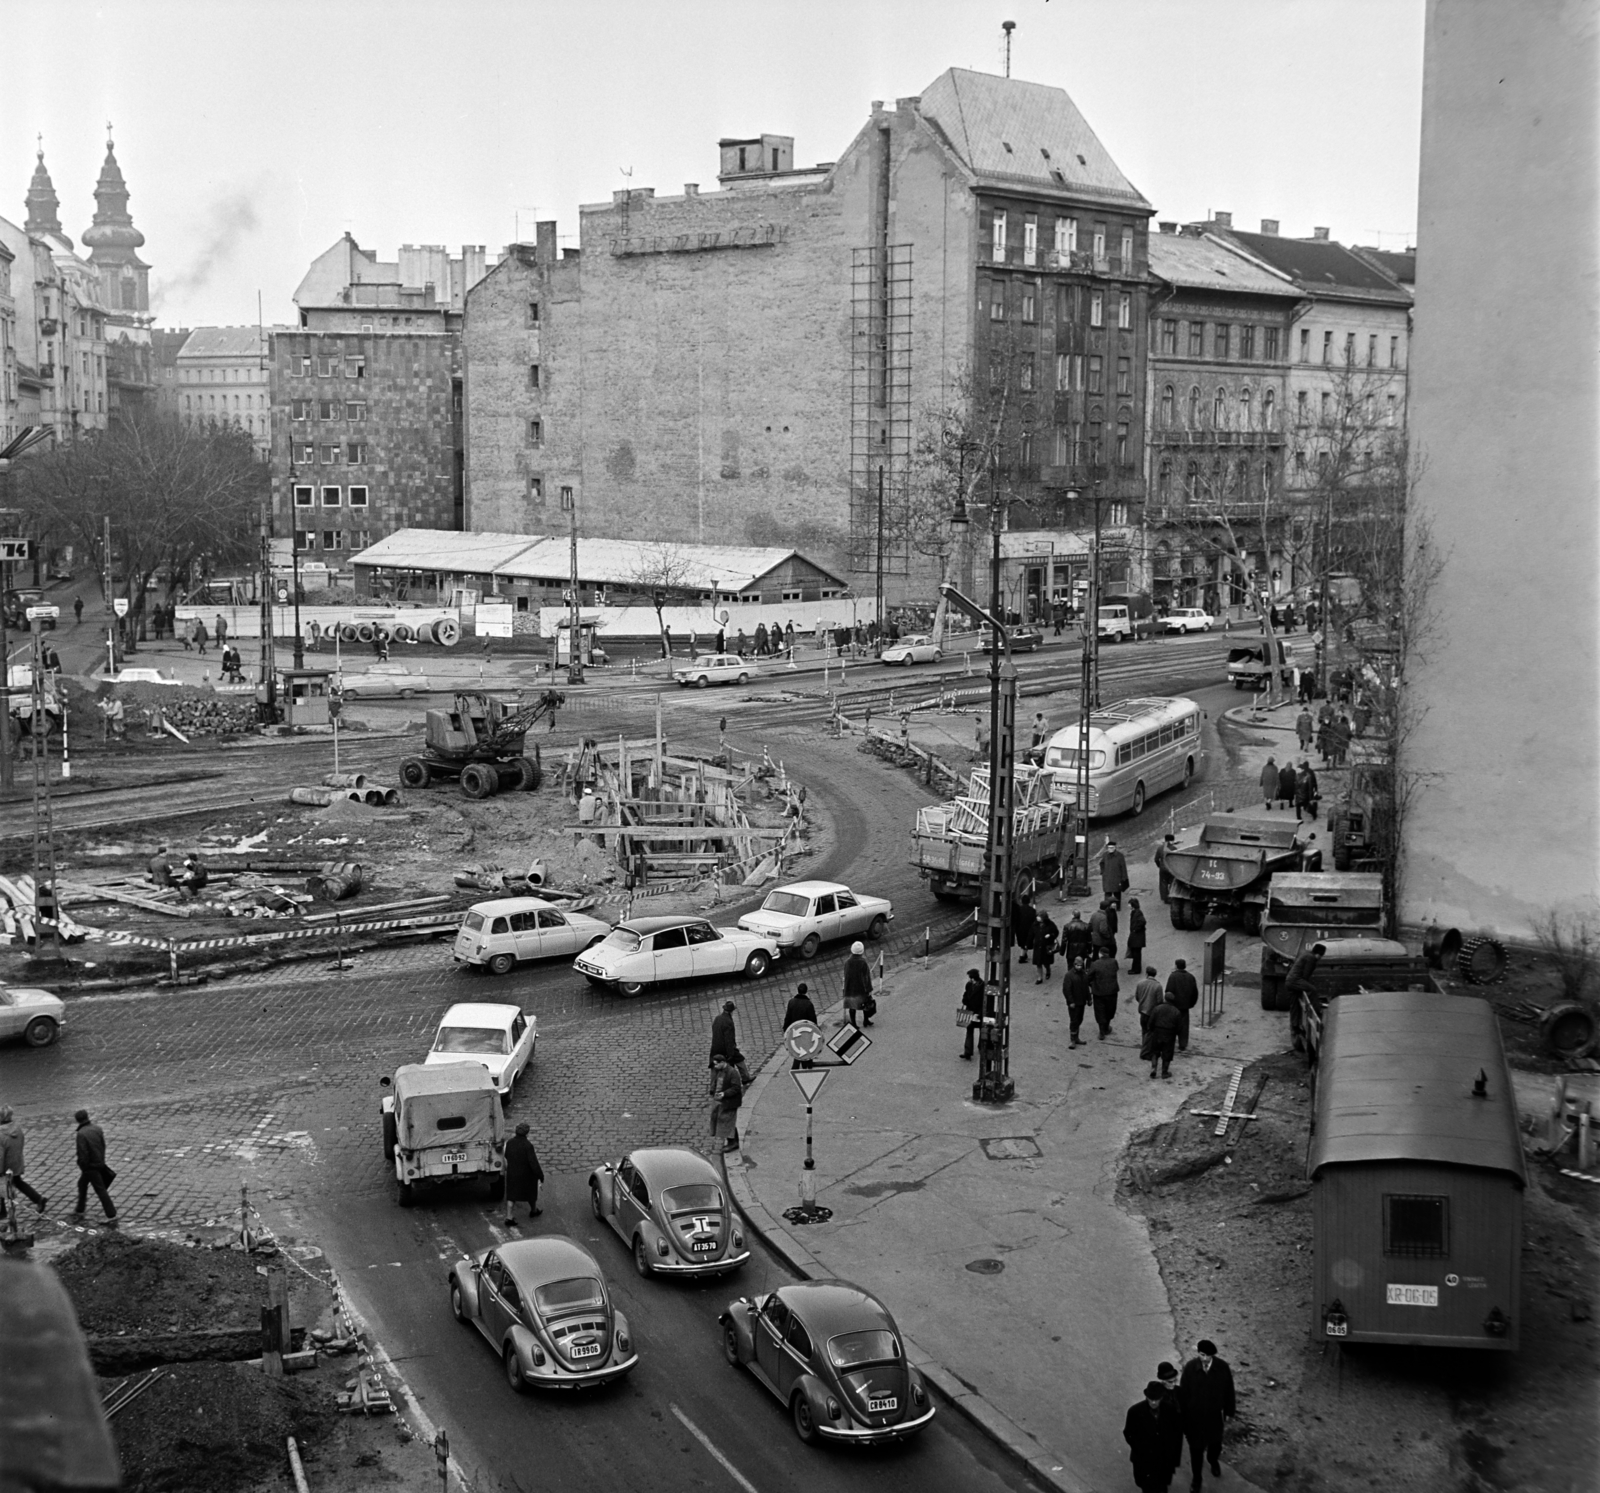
44, 211
112, 241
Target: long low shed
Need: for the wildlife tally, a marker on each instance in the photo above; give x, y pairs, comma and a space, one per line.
1417, 1175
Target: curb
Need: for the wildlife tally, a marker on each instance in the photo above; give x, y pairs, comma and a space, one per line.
1051, 1469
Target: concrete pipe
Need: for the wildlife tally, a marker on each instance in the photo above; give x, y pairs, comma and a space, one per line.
391, 797
345, 780
365, 632
382, 630
447, 631
404, 633
320, 798
347, 632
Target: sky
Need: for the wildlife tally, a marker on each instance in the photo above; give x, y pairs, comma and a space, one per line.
252, 135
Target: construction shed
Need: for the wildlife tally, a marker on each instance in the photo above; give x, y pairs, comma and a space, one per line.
1417, 1175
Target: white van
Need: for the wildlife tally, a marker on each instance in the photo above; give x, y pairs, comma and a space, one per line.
1115, 623
497, 934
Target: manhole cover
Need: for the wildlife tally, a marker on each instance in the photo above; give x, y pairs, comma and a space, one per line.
1010, 1148
986, 1267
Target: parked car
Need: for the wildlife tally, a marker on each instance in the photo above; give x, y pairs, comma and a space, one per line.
646, 951
500, 1037
34, 1015
142, 676
1189, 619
831, 1352
806, 914
716, 668
917, 649
544, 1308
668, 1206
495, 935
1023, 639
386, 681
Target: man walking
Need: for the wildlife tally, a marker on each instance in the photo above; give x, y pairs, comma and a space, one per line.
727, 1094
857, 986
523, 1175
1075, 987
972, 1003
1136, 935
1286, 782
1185, 990
11, 1139
1163, 1034
92, 1169
77, 611
1113, 872
1103, 989
1305, 792
724, 1041
1269, 781
1154, 1433
800, 1007
1147, 995
1045, 934
1076, 944
1205, 1395
1303, 728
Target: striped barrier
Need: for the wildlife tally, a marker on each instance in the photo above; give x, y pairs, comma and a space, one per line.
439, 921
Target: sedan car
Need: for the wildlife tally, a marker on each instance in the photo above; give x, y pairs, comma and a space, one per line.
544, 1307
1189, 619
917, 649
385, 681
806, 914
716, 668
495, 935
831, 1352
501, 1038
646, 951
1023, 639
667, 1205
34, 1015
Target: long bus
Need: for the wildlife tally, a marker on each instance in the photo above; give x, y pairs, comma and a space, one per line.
1137, 749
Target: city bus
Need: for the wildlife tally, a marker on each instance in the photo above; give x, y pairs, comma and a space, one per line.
1137, 748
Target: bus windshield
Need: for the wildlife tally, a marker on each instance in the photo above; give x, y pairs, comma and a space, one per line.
1068, 757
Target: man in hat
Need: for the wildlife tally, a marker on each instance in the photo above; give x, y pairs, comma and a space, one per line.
1205, 1395
1154, 1433
11, 1141
1185, 992
800, 1008
523, 1175
92, 1169
723, 1038
1113, 872
1075, 987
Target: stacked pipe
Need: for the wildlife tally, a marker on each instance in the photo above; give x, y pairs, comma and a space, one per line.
338, 787
445, 631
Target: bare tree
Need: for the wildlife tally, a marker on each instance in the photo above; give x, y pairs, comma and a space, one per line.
663, 573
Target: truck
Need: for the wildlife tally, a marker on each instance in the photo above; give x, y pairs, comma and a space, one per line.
1247, 665
1360, 820
1227, 865
442, 1123
1354, 964
1126, 617
1304, 908
950, 839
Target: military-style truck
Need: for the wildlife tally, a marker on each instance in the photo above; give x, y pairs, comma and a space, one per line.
1304, 908
441, 1124
1225, 866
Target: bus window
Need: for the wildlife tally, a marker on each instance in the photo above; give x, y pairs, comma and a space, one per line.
1124, 754
1166, 735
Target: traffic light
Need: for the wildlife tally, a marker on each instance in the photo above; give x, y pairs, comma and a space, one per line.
659, 596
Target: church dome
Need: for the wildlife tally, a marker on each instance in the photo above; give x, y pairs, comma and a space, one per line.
113, 226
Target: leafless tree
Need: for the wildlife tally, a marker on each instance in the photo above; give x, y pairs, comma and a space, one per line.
663, 573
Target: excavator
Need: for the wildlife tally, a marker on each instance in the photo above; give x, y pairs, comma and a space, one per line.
480, 741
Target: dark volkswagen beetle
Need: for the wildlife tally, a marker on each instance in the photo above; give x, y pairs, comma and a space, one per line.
668, 1206
830, 1351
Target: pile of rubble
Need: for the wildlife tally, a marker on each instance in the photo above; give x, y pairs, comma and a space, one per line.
188, 709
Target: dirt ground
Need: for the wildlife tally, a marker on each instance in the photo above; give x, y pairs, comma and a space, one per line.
1231, 1224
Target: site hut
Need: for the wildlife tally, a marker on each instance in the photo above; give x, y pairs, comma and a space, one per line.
1416, 1175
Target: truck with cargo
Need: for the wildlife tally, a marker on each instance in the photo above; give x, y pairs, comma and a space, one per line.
950, 839
1227, 864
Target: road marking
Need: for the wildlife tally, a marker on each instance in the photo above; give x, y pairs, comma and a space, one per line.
710, 1446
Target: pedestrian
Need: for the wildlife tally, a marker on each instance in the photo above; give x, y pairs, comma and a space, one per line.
114, 718
1154, 1433
761, 640
1186, 992
1103, 988
1024, 919
1303, 727
666, 651
788, 638
1076, 943
77, 611
1112, 920
1269, 781
49, 657
740, 645
1286, 779
1075, 987
523, 1175
186, 637
1305, 792
1169, 843
1361, 715
1147, 996
221, 630
1301, 982
1113, 872
11, 1142
1205, 1396
724, 1040
858, 986
200, 637
972, 1000
1045, 934
727, 1094
1163, 1034
193, 878
92, 1169
722, 640
1136, 935
799, 1008
1041, 731
1100, 938
1341, 739
160, 867
1168, 1375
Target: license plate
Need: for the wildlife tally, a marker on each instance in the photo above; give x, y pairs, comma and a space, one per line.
585, 1350
588, 969
455, 1155
703, 1245
887, 1403
1338, 1329
1412, 1295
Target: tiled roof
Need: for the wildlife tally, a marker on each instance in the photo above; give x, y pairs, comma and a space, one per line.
1401, 263
1207, 263
1320, 265
227, 342
1026, 134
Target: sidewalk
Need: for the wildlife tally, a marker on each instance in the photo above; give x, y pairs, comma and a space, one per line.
993, 1233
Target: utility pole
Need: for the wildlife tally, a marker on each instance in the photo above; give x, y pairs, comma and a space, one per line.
111, 613
8, 776
574, 654
267, 695
878, 590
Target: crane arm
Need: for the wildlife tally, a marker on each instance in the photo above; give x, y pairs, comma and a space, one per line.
520, 721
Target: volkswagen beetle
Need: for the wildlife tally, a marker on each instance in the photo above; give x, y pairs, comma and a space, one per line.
668, 1206
831, 1352
544, 1307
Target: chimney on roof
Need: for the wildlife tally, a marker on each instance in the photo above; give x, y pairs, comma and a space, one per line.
691, 189
1269, 226
1169, 227
544, 242
1320, 234
1222, 220
907, 105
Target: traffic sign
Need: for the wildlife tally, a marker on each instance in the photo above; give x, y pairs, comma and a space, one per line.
804, 1039
46, 613
809, 1080
16, 549
849, 1042
119, 605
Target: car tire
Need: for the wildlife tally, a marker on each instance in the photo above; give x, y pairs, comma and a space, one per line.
596, 1207
743, 679
406, 1195
406, 694
730, 1343
756, 965
1138, 798
514, 1376
1178, 909
391, 1136
809, 946
805, 1427
938, 655
877, 928
414, 773
630, 987
458, 1308
501, 964
40, 1032
641, 1257
702, 681
478, 781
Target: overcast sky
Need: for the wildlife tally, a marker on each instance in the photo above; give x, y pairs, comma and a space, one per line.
253, 135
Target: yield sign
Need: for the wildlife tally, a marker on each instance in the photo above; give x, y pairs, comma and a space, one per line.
809, 1080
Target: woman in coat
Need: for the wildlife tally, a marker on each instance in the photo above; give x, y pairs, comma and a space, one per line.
1269, 781
1305, 792
523, 1174
1024, 921
1286, 783
727, 1094
858, 985
1136, 934
1045, 934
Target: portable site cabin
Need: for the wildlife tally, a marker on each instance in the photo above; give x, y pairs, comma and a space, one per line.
1416, 1174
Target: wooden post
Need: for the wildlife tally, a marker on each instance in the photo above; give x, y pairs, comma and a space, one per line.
275, 1322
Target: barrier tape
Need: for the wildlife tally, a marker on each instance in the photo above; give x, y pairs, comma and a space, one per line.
377, 925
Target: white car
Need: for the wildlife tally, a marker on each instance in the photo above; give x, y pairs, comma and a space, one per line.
142, 676
1189, 619
386, 680
716, 668
501, 1038
34, 1015
806, 914
646, 951
495, 935
918, 649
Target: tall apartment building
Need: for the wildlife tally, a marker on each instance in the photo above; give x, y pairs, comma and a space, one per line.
366, 399
222, 376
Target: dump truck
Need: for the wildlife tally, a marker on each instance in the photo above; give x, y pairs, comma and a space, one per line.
1304, 908
442, 1123
950, 839
1226, 866
482, 742
1247, 666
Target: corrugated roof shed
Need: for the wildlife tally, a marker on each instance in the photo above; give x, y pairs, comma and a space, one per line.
1027, 134
1321, 266
1395, 1084
1209, 263
446, 549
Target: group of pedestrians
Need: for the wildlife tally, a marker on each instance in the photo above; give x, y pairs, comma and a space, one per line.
1291, 787
93, 1171
1191, 1408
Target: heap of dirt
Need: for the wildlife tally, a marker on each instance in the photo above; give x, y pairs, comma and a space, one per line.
216, 1428
1231, 1225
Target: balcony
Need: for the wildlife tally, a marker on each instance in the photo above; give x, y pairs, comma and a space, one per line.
1179, 510
1208, 439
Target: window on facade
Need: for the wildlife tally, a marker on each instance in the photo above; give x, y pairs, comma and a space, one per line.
1327, 408
1096, 373
567, 499
1219, 409
355, 409
300, 409
533, 313
1247, 343
1372, 350
355, 365
1060, 447
1221, 337
1194, 407
304, 496
1025, 450
1099, 240
186, 404
997, 300
1300, 462
355, 453
1077, 371
535, 432
1066, 303
1168, 407
1268, 410
1349, 349
533, 375
1097, 308
1302, 411
1394, 352
1124, 375
1164, 480
1066, 235
363, 539
1124, 311
1063, 373
1122, 443
1269, 340
1327, 347
307, 456
1025, 373
1389, 414
1191, 481
357, 496
1127, 250
1077, 441
328, 409
330, 456
333, 539
330, 497
1169, 338
1094, 441
1030, 239
997, 240
1030, 303
305, 539
327, 367
997, 370
1324, 461
1305, 344
536, 489
1197, 339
